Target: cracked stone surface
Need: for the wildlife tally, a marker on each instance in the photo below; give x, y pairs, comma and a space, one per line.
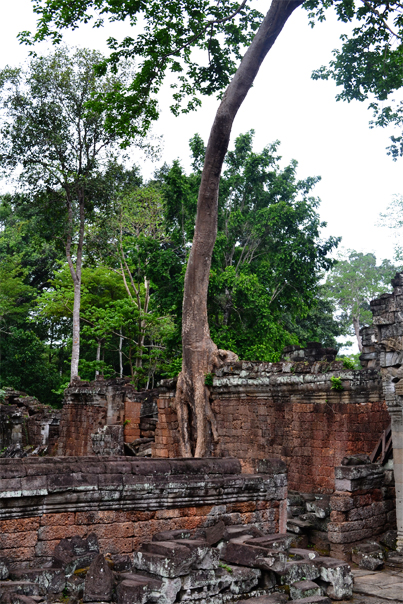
377, 587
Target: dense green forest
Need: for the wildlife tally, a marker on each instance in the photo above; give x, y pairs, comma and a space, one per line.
93, 257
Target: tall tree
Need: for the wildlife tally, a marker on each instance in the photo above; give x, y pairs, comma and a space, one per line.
268, 257
353, 282
169, 32
60, 147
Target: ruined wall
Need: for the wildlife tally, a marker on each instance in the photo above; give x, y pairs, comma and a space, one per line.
362, 507
289, 410
43, 500
26, 425
99, 417
383, 344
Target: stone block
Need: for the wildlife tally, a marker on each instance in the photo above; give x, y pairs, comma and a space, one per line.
370, 556
132, 591
99, 581
237, 552
172, 535
215, 533
26, 588
304, 589
296, 553
52, 580
278, 541
160, 565
203, 556
299, 570
338, 574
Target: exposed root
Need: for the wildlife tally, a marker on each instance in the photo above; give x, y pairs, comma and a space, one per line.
192, 400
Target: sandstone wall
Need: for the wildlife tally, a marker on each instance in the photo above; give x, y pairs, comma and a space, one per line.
291, 411
43, 500
363, 507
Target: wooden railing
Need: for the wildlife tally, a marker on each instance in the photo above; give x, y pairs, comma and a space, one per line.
383, 448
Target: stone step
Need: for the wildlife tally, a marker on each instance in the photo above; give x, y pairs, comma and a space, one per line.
394, 561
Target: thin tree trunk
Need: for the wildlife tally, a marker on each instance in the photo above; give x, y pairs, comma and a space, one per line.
356, 325
200, 354
120, 354
98, 358
76, 277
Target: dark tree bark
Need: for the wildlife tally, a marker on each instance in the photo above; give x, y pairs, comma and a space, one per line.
200, 355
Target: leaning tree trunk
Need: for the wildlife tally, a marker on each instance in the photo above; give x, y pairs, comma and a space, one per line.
200, 354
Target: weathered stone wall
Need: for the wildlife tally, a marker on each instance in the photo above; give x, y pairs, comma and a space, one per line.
124, 503
288, 410
26, 425
383, 344
362, 507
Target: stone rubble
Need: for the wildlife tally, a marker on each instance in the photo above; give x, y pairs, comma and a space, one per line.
217, 565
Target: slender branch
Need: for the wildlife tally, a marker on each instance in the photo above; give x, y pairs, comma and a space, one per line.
378, 14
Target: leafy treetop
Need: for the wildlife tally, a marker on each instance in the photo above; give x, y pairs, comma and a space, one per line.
164, 36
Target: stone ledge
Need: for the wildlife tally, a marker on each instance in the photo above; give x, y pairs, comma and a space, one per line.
142, 485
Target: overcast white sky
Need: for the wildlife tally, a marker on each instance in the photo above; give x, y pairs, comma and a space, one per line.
327, 138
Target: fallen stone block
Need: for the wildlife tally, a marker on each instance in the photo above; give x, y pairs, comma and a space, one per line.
338, 574
279, 541
161, 589
203, 578
99, 581
52, 580
171, 549
237, 552
133, 592
244, 579
26, 588
171, 535
121, 563
299, 570
162, 566
304, 589
215, 533
297, 553
204, 556
370, 556
204, 584
389, 539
